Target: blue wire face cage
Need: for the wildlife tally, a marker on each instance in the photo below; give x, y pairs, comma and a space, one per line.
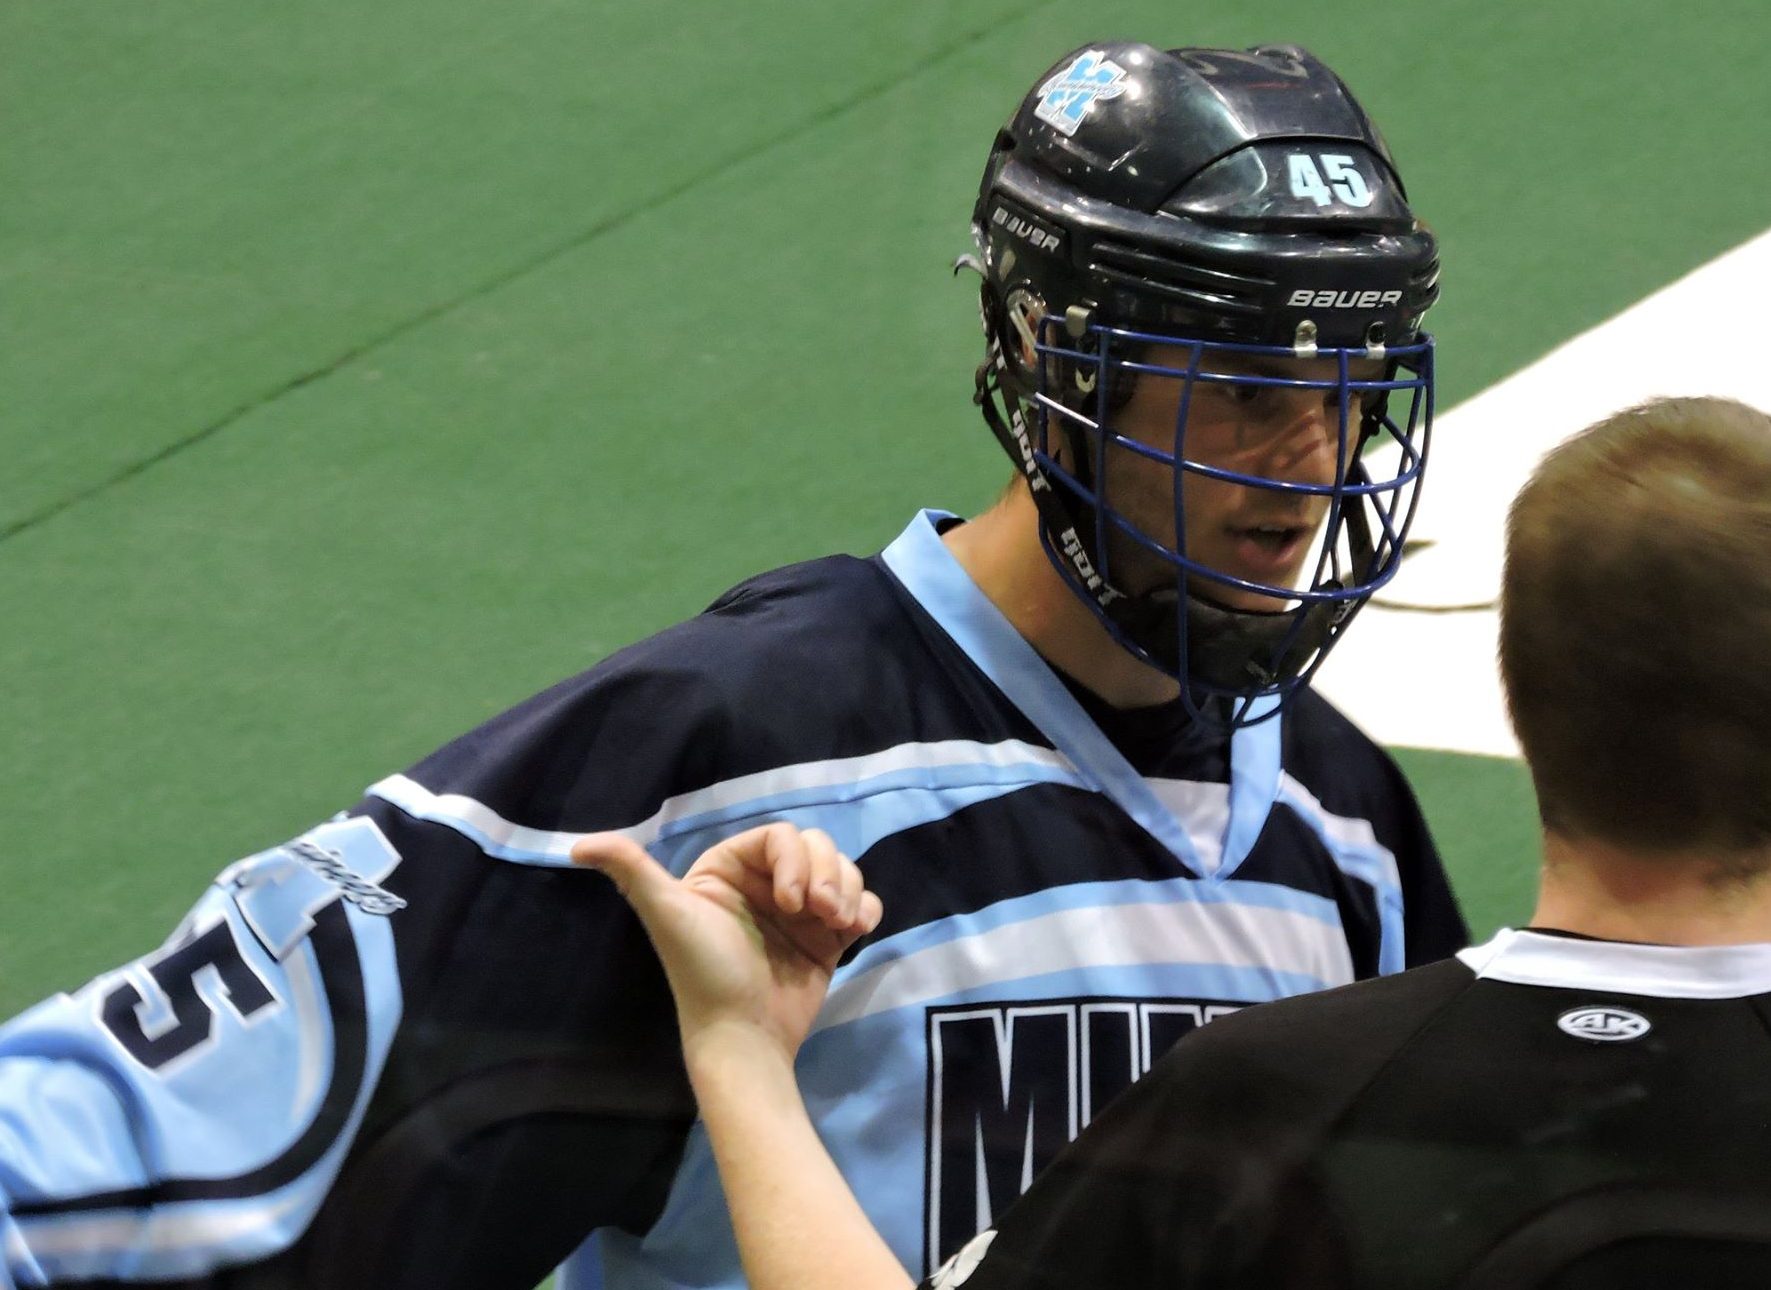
1241, 640
1203, 289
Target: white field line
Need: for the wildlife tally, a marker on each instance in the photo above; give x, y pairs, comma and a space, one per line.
1428, 680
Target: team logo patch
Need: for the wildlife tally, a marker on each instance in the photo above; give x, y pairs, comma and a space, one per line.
1604, 1024
1065, 99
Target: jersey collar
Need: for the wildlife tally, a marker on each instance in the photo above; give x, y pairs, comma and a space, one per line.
1619, 967
928, 571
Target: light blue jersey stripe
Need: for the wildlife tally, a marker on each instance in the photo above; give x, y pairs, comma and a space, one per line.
1358, 854
1083, 895
861, 815
924, 785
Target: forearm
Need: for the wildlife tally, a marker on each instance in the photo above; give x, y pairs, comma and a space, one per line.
799, 1226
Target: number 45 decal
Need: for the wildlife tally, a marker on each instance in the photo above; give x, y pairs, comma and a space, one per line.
1345, 183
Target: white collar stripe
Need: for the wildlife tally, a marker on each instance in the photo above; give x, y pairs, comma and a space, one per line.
1618, 967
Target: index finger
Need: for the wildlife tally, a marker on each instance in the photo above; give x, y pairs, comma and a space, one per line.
775, 853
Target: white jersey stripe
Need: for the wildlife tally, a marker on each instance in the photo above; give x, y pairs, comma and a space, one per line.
500, 837
495, 835
1214, 933
942, 754
1204, 808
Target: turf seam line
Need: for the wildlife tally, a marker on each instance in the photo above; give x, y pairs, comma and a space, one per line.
542, 258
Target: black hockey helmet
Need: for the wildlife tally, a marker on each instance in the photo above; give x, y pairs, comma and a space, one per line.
1240, 209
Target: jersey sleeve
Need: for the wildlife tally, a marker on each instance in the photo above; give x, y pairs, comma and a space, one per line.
188, 1110
413, 1047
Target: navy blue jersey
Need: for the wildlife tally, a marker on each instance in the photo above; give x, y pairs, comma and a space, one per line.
416, 1047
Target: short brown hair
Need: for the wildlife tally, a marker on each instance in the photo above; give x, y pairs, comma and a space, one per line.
1635, 629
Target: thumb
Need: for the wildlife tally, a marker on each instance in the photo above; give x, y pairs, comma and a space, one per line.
638, 877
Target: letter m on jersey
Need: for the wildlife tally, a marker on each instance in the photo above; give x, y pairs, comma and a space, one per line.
1011, 1085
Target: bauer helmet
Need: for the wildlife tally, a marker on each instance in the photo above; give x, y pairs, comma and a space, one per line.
1205, 217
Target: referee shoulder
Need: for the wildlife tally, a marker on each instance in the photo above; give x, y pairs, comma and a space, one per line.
1295, 1064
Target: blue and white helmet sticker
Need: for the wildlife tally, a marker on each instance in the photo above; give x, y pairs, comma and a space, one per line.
1065, 99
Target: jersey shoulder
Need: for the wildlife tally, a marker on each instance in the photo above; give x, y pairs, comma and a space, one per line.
821, 629
1296, 1062
810, 663
827, 659
1346, 771
1322, 748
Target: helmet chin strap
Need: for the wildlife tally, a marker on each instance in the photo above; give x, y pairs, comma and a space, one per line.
1227, 649
1236, 650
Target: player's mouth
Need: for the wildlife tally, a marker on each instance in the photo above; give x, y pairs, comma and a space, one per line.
1268, 552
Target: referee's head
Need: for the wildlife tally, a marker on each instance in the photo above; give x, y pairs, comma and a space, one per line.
1635, 639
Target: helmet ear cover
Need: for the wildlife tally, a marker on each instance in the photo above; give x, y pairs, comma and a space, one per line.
1024, 369
1033, 362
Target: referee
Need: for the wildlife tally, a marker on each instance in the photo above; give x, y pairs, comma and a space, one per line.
1583, 1103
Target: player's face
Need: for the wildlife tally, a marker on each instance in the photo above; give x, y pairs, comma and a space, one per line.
1274, 432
